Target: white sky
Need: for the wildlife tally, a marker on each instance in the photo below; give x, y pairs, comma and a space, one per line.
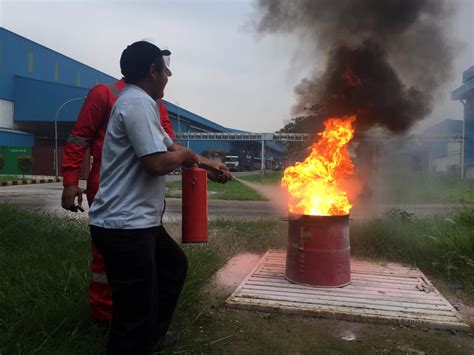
221, 69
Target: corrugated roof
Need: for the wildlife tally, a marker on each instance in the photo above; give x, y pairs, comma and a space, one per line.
183, 113
52, 50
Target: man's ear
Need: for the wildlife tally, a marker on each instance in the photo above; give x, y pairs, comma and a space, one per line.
152, 72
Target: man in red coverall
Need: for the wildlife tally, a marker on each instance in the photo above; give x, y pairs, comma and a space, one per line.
89, 132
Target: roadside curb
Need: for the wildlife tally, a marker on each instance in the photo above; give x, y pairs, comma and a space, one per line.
30, 181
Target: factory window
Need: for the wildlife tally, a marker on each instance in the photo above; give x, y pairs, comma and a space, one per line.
56, 71
30, 62
78, 79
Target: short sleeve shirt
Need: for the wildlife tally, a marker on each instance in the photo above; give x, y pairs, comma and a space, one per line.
129, 198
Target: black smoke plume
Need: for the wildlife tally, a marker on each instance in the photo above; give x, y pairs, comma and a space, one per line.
386, 59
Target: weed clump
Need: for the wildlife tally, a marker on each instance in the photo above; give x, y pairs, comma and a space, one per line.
443, 247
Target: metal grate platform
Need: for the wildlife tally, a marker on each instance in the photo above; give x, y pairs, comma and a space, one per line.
380, 293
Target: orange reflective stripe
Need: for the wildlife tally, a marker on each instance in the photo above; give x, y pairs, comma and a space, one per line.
79, 140
114, 90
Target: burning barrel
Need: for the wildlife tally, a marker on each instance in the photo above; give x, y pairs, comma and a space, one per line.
318, 252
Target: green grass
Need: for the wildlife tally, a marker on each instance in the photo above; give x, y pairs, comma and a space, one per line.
440, 247
44, 273
9, 178
226, 238
423, 188
43, 285
44, 262
270, 177
233, 190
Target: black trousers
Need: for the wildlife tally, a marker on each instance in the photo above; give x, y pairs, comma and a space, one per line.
146, 270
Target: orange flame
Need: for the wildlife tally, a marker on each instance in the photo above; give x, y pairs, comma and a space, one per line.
315, 185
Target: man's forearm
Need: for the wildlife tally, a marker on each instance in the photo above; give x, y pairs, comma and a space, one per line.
177, 147
73, 157
170, 161
164, 163
203, 160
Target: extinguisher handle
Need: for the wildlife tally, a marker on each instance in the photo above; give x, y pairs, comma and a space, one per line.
209, 168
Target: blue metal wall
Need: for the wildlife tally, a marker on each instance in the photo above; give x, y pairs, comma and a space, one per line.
465, 93
39, 80
469, 132
201, 146
38, 100
10, 138
444, 128
22, 57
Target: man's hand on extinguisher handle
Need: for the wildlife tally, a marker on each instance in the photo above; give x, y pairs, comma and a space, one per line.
221, 178
226, 176
217, 172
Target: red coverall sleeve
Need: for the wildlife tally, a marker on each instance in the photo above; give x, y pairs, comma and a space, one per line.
165, 121
83, 133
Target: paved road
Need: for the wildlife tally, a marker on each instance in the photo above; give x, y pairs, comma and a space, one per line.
47, 197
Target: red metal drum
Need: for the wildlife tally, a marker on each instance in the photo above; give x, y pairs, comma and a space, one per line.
318, 251
194, 206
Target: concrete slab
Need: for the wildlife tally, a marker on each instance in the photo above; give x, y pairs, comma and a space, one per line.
379, 293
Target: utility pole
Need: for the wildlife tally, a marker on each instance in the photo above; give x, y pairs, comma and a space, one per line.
56, 153
179, 118
268, 137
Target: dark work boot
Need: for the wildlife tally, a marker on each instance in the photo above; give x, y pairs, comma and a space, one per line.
165, 341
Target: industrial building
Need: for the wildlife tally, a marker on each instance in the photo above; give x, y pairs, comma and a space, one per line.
444, 156
436, 150
40, 87
465, 94
446, 147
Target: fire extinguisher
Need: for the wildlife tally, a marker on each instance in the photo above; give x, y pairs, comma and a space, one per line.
194, 205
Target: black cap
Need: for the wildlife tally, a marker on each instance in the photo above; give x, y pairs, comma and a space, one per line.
137, 58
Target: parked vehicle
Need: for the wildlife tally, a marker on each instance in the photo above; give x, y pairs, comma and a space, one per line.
232, 162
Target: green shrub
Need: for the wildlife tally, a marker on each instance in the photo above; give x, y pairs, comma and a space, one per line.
2, 162
442, 247
24, 163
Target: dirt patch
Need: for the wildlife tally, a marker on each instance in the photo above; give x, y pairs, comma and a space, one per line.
230, 331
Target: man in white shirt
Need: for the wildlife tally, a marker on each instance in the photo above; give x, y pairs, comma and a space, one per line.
145, 267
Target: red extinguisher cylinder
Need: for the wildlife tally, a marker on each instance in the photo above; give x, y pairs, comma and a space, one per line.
194, 205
